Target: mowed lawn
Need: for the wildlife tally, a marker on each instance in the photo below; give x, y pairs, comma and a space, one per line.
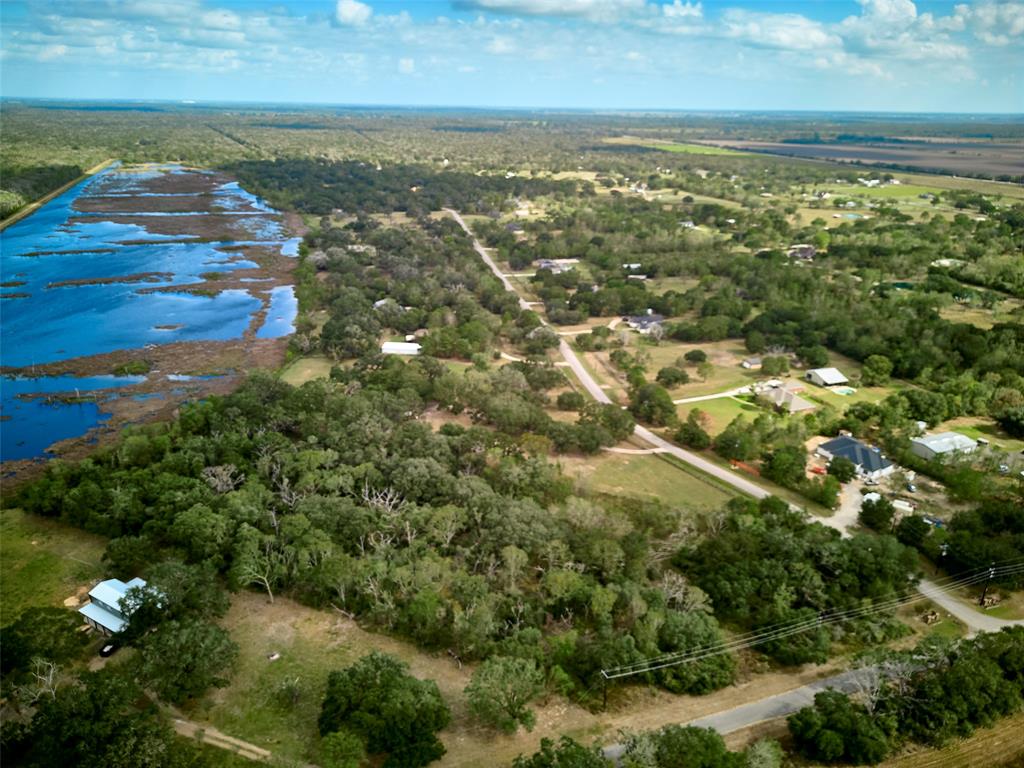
725, 356
307, 368
44, 562
646, 476
721, 411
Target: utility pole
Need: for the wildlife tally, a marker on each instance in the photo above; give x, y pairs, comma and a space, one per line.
604, 687
988, 581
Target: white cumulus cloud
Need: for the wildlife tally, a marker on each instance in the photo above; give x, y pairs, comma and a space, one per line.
785, 31
353, 13
590, 9
682, 10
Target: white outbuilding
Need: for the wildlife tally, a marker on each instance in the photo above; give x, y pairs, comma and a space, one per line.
930, 447
826, 377
400, 348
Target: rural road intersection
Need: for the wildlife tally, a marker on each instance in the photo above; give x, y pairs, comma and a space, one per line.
591, 385
782, 704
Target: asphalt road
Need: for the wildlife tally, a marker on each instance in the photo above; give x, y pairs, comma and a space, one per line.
976, 620
590, 384
768, 708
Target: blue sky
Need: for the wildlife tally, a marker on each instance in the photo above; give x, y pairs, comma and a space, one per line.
886, 55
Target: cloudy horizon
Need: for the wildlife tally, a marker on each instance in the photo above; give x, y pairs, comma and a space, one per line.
744, 55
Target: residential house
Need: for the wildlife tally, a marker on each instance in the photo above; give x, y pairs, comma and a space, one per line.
752, 363
555, 267
825, 377
869, 461
787, 400
400, 348
935, 446
104, 612
802, 251
645, 323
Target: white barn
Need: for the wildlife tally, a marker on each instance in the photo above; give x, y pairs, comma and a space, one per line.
400, 348
930, 447
825, 377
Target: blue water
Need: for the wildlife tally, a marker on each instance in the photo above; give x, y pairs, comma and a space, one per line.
58, 243
280, 316
31, 425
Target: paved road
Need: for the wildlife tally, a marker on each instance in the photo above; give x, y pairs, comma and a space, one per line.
976, 620
590, 384
768, 708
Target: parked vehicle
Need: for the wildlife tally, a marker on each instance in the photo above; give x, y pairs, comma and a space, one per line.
108, 649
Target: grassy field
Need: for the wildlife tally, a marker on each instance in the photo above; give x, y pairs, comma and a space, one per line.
645, 476
311, 644
670, 146
724, 355
1010, 310
981, 427
304, 369
997, 747
721, 411
44, 562
677, 195
661, 285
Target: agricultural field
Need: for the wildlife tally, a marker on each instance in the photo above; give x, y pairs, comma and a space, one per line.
674, 147
997, 159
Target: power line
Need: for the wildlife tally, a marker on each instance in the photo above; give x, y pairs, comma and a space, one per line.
779, 632
783, 630
766, 632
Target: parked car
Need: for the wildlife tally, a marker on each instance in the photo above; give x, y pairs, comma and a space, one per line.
108, 649
911, 488
1004, 469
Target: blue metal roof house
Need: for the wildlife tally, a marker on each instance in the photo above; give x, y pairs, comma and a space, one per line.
103, 612
869, 461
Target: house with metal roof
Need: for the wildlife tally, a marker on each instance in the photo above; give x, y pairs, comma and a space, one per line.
935, 446
825, 377
400, 348
787, 400
871, 464
104, 611
645, 323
